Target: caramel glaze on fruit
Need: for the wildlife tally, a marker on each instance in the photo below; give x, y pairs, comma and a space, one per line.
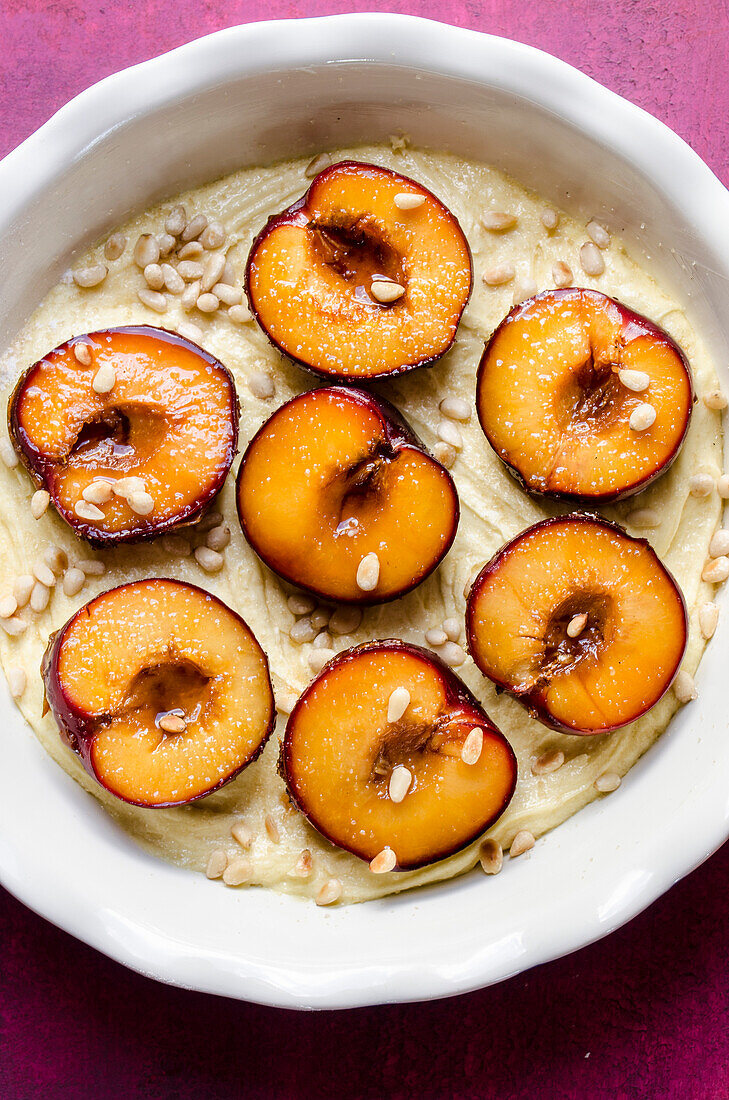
310, 272
334, 475
339, 751
171, 403
552, 406
624, 658
125, 661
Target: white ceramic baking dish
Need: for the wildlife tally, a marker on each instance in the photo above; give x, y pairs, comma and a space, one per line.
265, 91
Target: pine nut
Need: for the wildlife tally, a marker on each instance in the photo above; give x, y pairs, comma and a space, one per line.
242, 834
497, 221
550, 219
115, 246
229, 295
218, 537
105, 378
472, 747
194, 228
345, 619
39, 503
386, 290
302, 867
722, 486
368, 572
44, 574
88, 512
17, 681
153, 299
87, 277
452, 654
684, 687
499, 275
238, 872
193, 250
576, 625
146, 250
455, 408
716, 570
261, 385
323, 640
317, 658
228, 275
190, 331
400, 781
701, 485
13, 627
491, 857
207, 303
607, 782
643, 416
8, 607
125, 486
644, 517
300, 604
82, 354
176, 220
330, 892
397, 704
303, 631
591, 260
635, 380
141, 503
450, 433
548, 762
172, 723
317, 164
213, 236
452, 628
212, 270
598, 234
445, 454
22, 589
240, 314
154, 276
91, 567
217, 863
190, 270
166, 243
209, 560
173, 281
408, 200
209, 520
384, 861
716, 399
272, 829
8, 455
708, 620
39, 597
435, 636
522, 842
56, 559
561, 274
320, 618
719, 545
98, 492
73, 581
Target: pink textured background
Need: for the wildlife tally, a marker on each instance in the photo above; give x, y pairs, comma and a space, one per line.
644, 1013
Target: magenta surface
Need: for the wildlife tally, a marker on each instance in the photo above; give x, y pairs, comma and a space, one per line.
643, 1014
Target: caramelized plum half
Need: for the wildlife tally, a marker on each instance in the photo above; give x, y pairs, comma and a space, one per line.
579, 622
161, 689
131, 430
336, 495
369, 781
350, 285
583, 398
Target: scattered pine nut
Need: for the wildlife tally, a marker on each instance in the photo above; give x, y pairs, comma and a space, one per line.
452, 654
452, 628
607, 782
435, 636
166, 243
386, 290
472, 747
561, 274
499, 275
576, 625
302, 867
550, 219
8, 607
229, 295
212, 270
598, 234
88, 277
190, 271
716, 570
91, 567
635, 380
193, 250
368, 572
445, 454
39, 597
400, 781
82, 354
218, 537
320, 618
450, 433
719, 545
213, 236
330, 892
190, 331
722, 486
207, 303
303, 631
55, 558
384, 861
228, 275
498, 221
44, 574
317, 164
522, 842
39, 503
548, 762
173, 281
17, 681
261, 385
455, 408
73, 581
7, 454
209, 560
240, 314
142, 503
715, 399
152, 299
105, 379
317, 658
684, 687
176, 220
300, 604
115, 246
272, 829
701, 485
643, 416
345, 619
397, 704
146, 250
98, 492
217, 863
323, 641
644, 517
125, 486
13, 627
242, 834
708, 620
491, 857
408, 200
22, 588
591, 260
154, 276
194, 228
237, 872
172, 723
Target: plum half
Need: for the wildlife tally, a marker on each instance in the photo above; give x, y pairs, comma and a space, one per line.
132, 431
366, 275
578, 621
162, 691
337, 495
581, 397
379, 754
